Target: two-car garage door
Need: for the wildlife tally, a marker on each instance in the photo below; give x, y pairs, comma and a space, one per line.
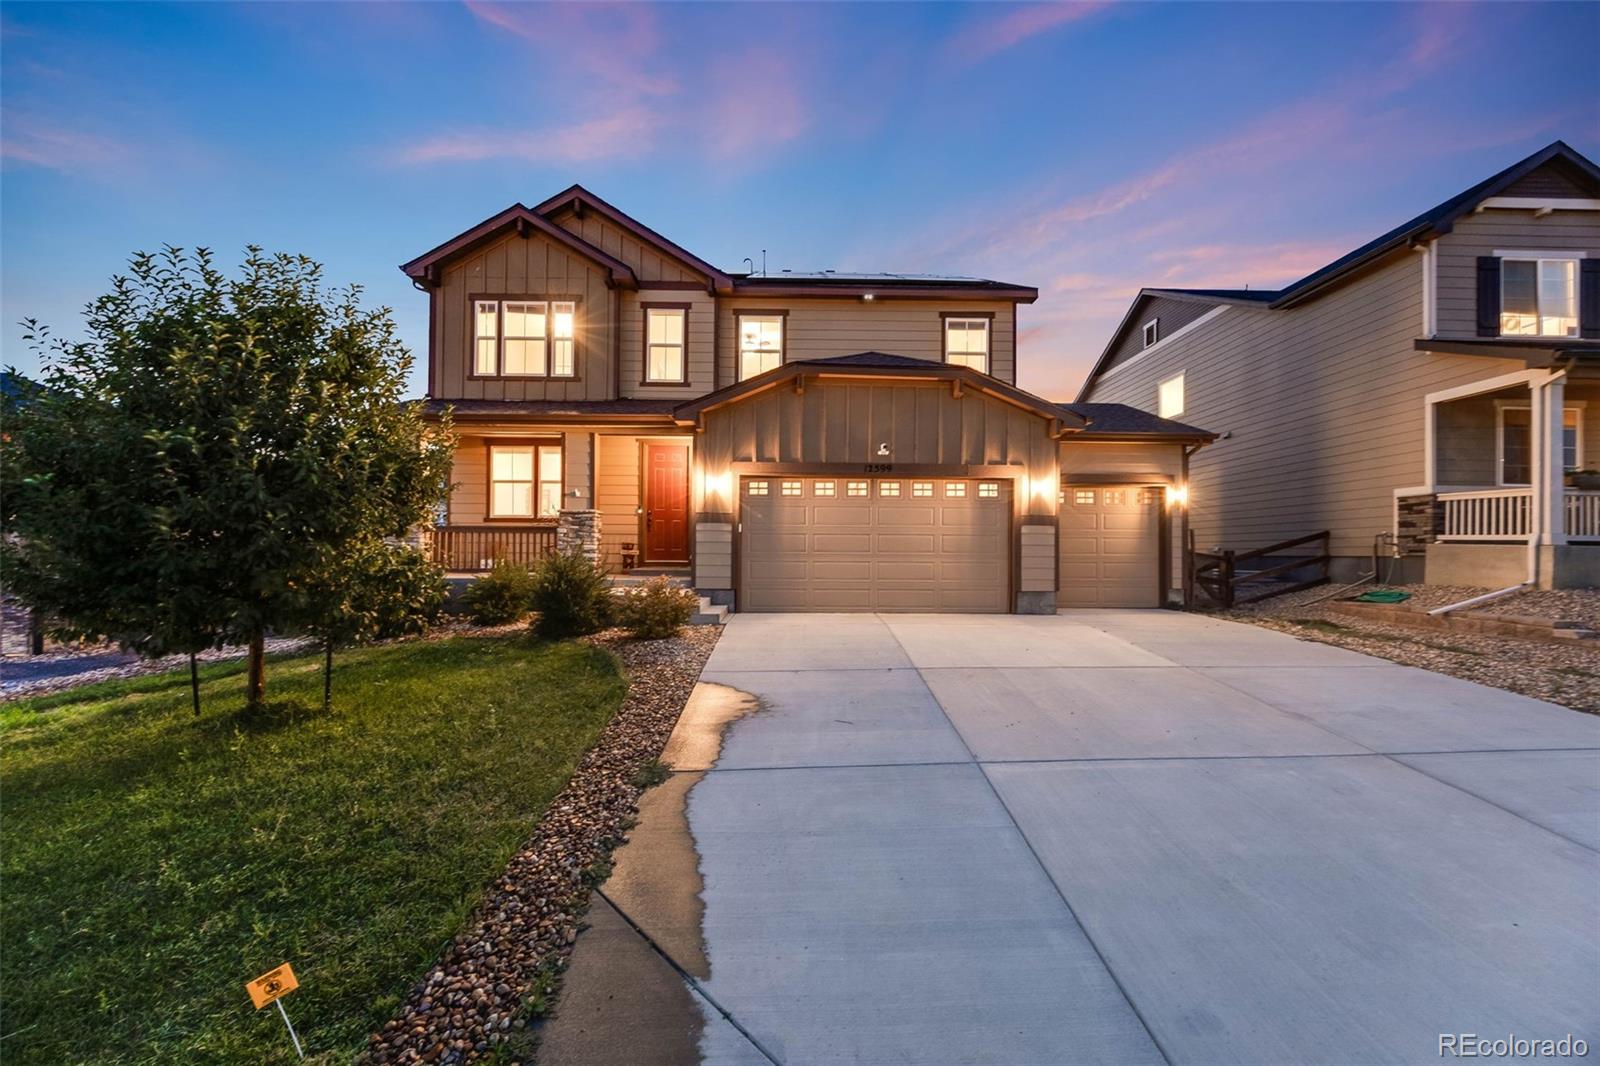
875, 544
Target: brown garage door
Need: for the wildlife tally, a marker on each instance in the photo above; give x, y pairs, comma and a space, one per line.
1110, 546
875, 544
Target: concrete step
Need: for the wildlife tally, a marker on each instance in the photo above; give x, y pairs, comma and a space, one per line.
709, 614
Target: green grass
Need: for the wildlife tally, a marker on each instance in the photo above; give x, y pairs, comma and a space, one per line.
153, 862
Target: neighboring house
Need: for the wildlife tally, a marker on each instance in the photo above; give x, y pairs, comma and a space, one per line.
820, 441
1438, 386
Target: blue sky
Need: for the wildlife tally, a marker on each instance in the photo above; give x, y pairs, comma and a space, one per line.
1084, 148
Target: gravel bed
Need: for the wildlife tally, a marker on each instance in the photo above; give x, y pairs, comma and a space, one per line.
476, 1000
1569, 675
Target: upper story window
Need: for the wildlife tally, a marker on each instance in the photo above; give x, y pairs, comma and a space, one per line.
524, 480
524, 338
663, 345
1152, 332
1169, 397
966, 342
1539, 297
760, 344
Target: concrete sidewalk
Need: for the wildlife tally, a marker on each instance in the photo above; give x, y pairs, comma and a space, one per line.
1105, 836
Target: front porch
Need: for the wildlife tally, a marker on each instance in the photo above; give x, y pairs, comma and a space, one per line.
1513, 493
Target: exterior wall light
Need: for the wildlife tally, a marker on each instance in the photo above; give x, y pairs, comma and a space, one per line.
1178, 495
867, 296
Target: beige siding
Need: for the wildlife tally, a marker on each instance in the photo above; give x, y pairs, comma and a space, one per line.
697, 344
1324, 404
1494, 231
1170, 316
648, 263
577, 455
822, 328
537, 268
1036, 559
469, 494
617, 495
713, 555
1141, 464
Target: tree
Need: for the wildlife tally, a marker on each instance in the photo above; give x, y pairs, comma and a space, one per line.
181, 478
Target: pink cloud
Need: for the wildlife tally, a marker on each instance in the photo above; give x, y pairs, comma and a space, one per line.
755, 102
623, 134
41, 143
614, 42
981, 40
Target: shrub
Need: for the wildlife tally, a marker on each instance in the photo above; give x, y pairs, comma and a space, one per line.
502, 595
656, 609
572, 596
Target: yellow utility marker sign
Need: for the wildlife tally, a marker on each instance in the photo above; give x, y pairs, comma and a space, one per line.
271, 987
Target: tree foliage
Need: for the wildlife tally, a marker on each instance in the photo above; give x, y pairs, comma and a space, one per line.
219, 458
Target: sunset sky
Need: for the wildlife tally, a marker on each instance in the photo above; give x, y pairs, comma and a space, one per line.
1086, 149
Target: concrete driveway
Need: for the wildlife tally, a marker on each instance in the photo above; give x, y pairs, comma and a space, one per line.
1109, 836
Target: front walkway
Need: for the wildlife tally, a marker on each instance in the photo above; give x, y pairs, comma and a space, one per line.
1109, 837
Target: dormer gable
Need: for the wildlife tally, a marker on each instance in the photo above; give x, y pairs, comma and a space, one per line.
652, 256
425, 270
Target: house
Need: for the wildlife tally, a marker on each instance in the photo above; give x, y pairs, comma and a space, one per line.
1429, 398
787, 441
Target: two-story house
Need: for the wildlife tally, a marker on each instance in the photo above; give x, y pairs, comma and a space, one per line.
813, 442
1434, 393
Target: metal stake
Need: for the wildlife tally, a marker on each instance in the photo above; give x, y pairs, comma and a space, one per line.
292, 1036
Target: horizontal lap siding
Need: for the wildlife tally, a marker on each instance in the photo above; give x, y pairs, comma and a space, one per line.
469, 491
1170, 315
697, 344
617, 495
1324, 404
1497, 230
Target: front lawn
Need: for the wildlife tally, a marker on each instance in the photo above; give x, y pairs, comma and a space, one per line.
153, 862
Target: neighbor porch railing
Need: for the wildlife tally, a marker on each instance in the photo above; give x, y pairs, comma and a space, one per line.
1582, 514
473, 549
1487, 514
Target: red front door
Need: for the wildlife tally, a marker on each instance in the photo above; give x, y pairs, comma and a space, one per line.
666, 503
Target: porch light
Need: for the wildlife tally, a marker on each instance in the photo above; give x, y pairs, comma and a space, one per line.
867, 296
718, 486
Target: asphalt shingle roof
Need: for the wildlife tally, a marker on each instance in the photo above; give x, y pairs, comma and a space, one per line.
1120, 418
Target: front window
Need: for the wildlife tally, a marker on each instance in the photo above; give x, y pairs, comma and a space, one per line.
563, 339
486, 338
524, 338
1539, 297
1516, 443
664, 344
760, 344
966, 343
524, 480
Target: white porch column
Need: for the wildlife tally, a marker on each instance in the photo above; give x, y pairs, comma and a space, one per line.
1547, 440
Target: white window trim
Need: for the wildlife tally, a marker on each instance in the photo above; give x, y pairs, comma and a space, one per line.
1150, 333
537, 447
738, 333
682, 346
1182, 389
1500, 409
1562, 256
544, 313
988, 340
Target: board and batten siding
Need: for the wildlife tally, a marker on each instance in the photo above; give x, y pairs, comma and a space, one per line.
1495, 230
648, 263
821, 328
536, 268
1323, 403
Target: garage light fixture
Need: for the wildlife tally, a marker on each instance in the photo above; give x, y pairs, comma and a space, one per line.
1178, 496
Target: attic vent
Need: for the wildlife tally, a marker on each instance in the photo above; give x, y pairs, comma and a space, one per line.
1152, 331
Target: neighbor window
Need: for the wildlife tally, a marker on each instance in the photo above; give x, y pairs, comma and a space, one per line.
760, 344
1152, 332
524, 338
524, 480
1516, 443
966, 343
486, 338
664, 344
1169, 397
1539, 297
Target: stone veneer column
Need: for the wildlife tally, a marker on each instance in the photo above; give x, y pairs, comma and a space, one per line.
579, 531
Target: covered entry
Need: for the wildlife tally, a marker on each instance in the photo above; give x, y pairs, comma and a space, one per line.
875, 544
1110, 546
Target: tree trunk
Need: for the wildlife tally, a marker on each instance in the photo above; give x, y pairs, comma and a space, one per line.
327, 675
194, 683
257, 690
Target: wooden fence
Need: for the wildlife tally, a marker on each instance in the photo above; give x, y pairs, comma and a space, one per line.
1221, 575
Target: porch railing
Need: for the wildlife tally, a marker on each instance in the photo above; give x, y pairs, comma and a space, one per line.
1487, 514
473, 549
1583, 514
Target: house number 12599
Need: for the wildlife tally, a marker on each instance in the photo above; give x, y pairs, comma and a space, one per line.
878, 468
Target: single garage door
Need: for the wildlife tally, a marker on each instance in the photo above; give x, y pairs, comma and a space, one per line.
1110, 546
875, 544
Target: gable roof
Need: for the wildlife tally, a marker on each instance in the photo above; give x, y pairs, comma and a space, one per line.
576, 196
425, 267
1120, 420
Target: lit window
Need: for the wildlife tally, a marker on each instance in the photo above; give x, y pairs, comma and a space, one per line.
822, 488
955, 488
760, 344
486, 338
524, 481
664, 344
1169, 397
855, 488
1539, 297
1083, 496
888, 488
988, 490
1152, 332
922, 488
526, 328
966, 343
790, 488
563, 339
756, 488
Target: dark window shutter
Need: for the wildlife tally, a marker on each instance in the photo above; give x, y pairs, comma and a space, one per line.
1589, 299
1488, 296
